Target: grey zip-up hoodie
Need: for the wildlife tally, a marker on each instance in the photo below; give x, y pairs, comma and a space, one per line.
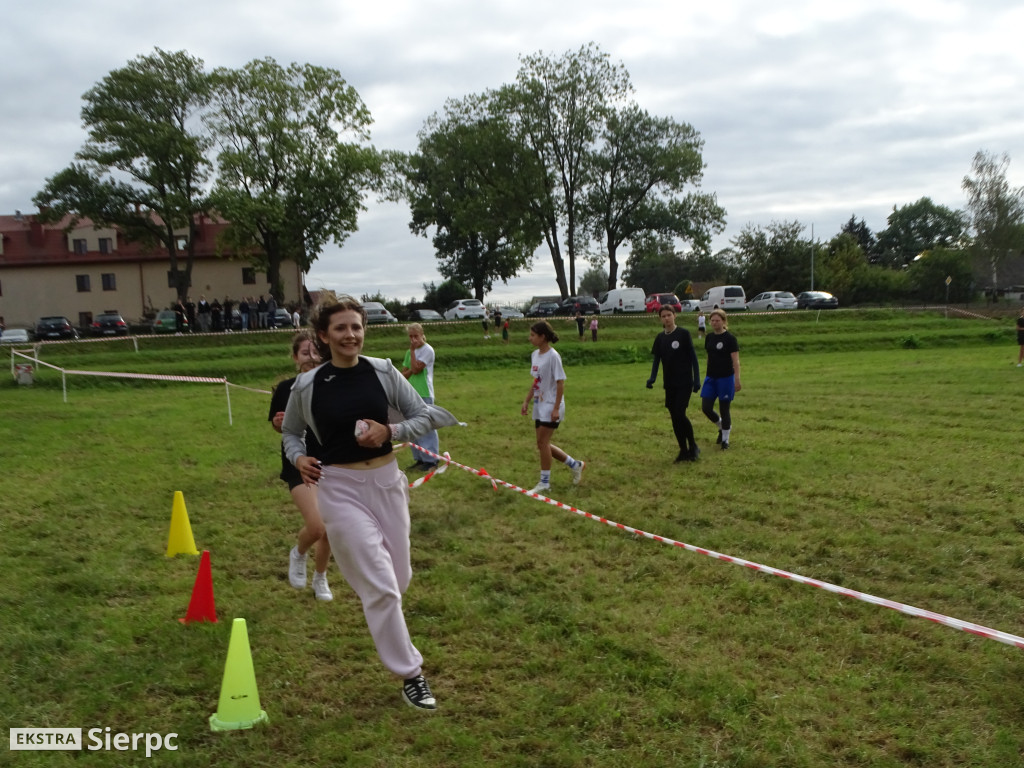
406, 408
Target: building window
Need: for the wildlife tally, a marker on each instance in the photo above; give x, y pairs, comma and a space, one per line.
106, 245
82, 281
248, 275
181, 244
109, 281
79, 245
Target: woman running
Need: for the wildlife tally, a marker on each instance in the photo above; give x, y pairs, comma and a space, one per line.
363, 496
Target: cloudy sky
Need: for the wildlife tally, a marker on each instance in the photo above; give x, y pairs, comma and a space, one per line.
809, 111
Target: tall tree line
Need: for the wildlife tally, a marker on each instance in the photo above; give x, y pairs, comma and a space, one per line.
281, 154
564, 158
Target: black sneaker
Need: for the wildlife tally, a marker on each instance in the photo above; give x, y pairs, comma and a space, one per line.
695, 454
417, 693
413, 467
719, 438
725, 446
684, 456
428, 466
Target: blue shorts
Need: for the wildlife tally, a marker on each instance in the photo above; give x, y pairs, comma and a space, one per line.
724, 388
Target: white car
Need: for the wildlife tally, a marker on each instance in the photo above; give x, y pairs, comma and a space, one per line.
14, 336
771, 300
510, 313
465, 308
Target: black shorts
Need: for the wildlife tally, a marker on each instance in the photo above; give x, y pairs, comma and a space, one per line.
1020, 338
290, 474
549, 424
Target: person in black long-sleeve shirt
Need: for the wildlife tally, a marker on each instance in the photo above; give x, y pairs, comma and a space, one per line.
673, 350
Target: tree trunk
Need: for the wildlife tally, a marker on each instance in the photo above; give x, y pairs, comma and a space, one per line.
613, 264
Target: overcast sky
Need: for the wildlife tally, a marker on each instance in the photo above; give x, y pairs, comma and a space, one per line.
810, 111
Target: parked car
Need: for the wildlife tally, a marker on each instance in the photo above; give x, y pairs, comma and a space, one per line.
377, 313
655, 302
621, 300
426, 316
282, 318
726, 297
542, 309
14, 336
109, 323
816, 300
689, 305
510, 313
769, 301
164, 322
587, 305
55, 328
465, 308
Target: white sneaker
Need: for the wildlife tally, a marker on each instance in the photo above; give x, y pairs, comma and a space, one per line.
297, 568
577, 472
541, 488
320, 588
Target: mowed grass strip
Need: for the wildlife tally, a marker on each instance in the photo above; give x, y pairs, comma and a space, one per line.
549, 639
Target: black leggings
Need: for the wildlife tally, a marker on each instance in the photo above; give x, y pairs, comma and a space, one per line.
677, 402
707, 404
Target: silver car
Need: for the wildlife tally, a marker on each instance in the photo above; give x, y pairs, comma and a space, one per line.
377, 313
771, 300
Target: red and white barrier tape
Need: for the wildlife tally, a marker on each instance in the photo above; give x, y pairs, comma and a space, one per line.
938, 618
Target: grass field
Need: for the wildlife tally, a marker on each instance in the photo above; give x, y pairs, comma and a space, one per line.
879, 451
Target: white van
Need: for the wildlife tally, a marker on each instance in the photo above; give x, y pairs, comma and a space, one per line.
621, 300
727, 297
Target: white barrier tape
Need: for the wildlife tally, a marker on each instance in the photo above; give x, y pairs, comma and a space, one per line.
938, 618
249, 389
149, 376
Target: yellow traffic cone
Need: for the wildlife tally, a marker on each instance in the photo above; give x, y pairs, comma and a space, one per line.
179, 540
239, 705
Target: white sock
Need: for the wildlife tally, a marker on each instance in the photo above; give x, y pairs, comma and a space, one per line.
569, 461
725, 435
545, 476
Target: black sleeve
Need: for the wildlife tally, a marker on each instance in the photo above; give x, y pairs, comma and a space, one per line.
279, 398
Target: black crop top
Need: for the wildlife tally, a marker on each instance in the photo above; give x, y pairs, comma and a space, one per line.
342, 396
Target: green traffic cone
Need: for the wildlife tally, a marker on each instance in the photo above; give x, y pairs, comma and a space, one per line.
239, 705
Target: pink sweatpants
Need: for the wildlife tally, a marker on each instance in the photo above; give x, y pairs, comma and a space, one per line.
366, 514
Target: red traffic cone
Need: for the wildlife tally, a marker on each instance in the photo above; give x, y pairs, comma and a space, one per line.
201, 607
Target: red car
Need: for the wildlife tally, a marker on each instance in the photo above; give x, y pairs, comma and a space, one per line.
656, 301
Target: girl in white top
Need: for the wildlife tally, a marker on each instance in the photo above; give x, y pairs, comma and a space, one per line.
547, 391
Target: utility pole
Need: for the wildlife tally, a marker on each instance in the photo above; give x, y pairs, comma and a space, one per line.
812, 257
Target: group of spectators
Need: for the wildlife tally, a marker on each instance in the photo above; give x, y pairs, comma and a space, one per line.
249, 313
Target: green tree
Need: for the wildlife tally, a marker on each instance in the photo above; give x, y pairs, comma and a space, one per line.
474, 184
447, 292
838, 264
774, 257
637, 175
594, 281
143, 167
997, 211
928, 275
862, 233
294, 161
918, 227
653, 263
557, 107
